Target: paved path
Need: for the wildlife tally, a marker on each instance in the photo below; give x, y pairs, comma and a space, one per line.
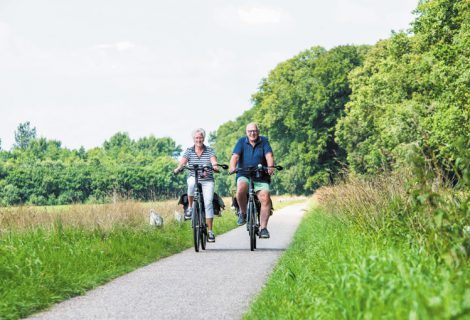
230, 277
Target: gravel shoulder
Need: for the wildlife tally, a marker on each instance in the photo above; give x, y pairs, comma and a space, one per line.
217, 283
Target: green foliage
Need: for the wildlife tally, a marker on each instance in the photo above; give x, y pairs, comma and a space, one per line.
412, 90
335, 271
410, 109
297, 107
441, 214
42, 172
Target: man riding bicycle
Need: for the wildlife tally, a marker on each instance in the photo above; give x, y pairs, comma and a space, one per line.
250, 151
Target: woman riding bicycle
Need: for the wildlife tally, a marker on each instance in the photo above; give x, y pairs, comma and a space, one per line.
202, 155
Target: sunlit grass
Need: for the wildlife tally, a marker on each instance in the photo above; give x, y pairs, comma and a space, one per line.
373, 249
335, 271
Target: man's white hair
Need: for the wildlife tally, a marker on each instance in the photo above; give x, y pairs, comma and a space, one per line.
252, 123
199, 130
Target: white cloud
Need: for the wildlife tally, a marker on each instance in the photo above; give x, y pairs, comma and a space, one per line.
260, 15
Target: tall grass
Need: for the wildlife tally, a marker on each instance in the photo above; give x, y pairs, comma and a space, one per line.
334, 270
431, 214
103, 216
366, 202
385, 248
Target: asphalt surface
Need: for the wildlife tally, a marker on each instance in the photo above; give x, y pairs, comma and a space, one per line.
218, 283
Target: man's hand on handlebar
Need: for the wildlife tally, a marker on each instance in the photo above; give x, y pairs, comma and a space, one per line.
270, 170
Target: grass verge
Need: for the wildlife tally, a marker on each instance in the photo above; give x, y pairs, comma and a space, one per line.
50, 254
336, 271
41, 267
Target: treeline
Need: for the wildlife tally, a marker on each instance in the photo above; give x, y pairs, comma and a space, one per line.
42, 172
361, 110
403, 102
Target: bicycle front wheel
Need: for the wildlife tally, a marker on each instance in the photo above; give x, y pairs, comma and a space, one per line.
196, 226
251, 222
203, 229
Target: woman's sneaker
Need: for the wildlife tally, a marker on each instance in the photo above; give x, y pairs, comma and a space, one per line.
211, 237
188, 214
264, 233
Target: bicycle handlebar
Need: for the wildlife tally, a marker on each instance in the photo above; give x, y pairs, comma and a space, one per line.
259, 168
194, 167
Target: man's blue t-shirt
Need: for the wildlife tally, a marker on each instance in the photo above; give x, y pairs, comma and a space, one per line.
250, 156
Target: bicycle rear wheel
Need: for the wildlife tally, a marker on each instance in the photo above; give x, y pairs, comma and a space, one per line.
251, 225
196, 226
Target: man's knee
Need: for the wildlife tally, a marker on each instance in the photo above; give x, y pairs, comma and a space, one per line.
264, 197
242, 189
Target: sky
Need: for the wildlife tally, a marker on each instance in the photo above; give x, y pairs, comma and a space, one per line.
82, 70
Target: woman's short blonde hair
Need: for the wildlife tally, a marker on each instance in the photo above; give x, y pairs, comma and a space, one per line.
199, 130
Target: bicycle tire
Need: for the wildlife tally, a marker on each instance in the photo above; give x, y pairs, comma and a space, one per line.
196, 226
255, 225
251, 226
203, 229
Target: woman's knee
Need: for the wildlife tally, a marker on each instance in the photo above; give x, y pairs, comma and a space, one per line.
191, 182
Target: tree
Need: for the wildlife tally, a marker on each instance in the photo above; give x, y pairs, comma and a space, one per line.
24, 134
157, 146
412, 93
297, 107
118, 141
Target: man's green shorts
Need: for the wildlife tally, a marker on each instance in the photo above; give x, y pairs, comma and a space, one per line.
258, 185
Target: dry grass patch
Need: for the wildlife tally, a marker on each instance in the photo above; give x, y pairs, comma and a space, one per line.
363, 200
103, 216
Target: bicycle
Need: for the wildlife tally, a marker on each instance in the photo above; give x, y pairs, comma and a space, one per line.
198, 218
252, 214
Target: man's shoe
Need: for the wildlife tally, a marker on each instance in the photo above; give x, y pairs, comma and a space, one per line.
211, 237
264, 233
188, 214
241, 219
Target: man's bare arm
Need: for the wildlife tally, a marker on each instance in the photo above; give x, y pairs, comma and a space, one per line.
233, 162
270, 161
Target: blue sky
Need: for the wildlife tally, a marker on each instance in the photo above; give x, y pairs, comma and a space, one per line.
81, 71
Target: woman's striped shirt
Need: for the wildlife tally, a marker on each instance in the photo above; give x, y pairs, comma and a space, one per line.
204, 159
